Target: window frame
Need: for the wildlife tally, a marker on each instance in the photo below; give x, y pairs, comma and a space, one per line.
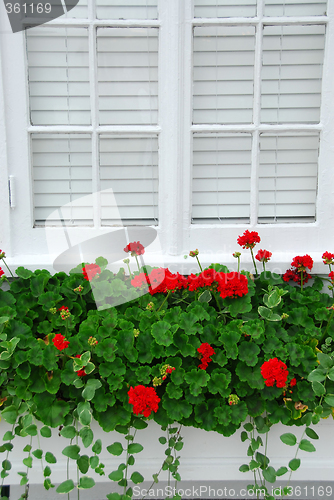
26, 245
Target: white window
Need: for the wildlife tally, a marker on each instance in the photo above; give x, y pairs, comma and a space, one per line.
200, 118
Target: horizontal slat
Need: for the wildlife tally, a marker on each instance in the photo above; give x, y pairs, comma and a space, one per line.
224, 8
60, 117
295, 8
134, 9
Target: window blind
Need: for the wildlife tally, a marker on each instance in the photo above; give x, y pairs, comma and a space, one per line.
288, 175
58, 76
62, 179
224, 8
295, 8
129, 170
292, 73
223, 74
221, 177
127, 76
134, 9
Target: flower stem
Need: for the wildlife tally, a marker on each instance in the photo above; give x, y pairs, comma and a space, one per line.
238, 264
256, 273
264, 266
199, 263
8, 268
168, 294
301, 279
130, 270
137, 263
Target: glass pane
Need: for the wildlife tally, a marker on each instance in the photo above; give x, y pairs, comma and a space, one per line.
62, 179
127, 76
133, 9
58, 71
76, 10
223, 74
224, 8
288, 176
129, 180
221, 178
295, 8
292, 73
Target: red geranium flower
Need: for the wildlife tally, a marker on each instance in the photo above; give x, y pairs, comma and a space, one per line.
206, 351
263, 255
273, 371
144, 400
293, 382
249, 239
331, 275
302, 262
80, 373
232, 285
59, 342
136, 248
90, 271
1, 272
328, 258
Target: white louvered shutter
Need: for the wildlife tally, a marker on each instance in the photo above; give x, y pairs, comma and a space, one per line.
221, 177
223, 74
129, 177
58, 72
295, 8
62, 179
134, 9
127, 76
224, 8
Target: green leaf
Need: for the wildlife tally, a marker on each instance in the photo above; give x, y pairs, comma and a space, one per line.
272, 300
329, 399
317, 375
289, 439
69, 431
71, 451
311, 433
281, 471
325, 360
114, 496
269, 474
87, 436
162, 440
253, 464
268, 314
197, 379
244, 468
27, 462
24, 273
161, 333
50, 458
306, 445
10, 414
65, 486
137, 478
244, 436
116, 475
83, 463
115, 449
86, 482
248, 427
47, 471
46, 432
294, 464
135, 448
318, 388
38, 453
248, 352
206, 296
97, 447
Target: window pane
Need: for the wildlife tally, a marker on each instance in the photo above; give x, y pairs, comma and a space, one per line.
134, 9
62, 179
292, 73
79, 11
288, 175
221, 178
128, 76
129, 170
58, 76
295, 7
224, 8
223, 74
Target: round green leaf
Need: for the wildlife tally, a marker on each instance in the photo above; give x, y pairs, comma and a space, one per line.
116, 475
65, 486
244, 468
50, 458
45, 431
83, 464
135, 448
69, 432
311, 433
306, 445
71, 451
289, 439
87, 436
115, 449
294, 464
137, 478
86, 482
269, 474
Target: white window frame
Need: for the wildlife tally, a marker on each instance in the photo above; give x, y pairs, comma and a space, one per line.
27, 246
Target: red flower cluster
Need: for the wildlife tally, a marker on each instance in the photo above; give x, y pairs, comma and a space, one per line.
80, 373
144, 400
59, 342
160, 281
1, 272
249, 239
302, 262
331, 276
273, 371
90, 271
206, 351
328, 258
263, 255
228, 284
136, 248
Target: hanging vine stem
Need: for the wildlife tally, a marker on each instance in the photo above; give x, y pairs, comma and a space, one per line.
7, 455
